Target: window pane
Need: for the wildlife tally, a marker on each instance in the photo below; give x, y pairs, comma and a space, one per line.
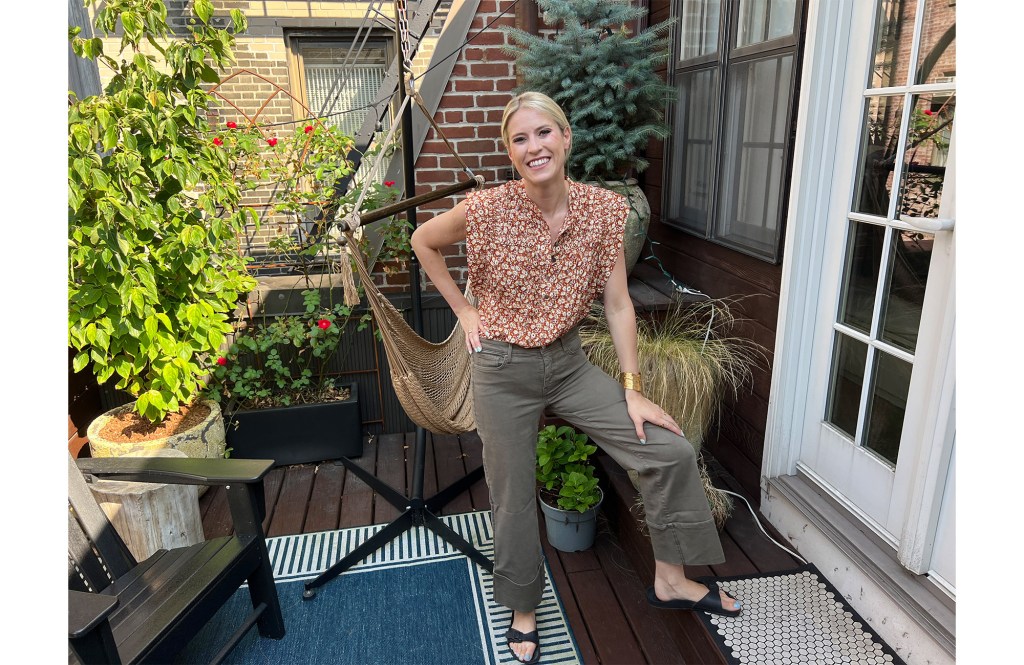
754, 152
880, 133
341, 84
890, 385
937, 58
893, 37
924, 170
910, 256
763, 20
693, 150
699, 28
863, 264
847, 379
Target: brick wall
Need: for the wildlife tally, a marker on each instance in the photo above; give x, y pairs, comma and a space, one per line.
470, 116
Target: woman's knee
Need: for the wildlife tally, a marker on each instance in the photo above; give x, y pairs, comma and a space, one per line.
671, 449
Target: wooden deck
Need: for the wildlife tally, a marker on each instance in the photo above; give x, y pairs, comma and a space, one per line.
602, 589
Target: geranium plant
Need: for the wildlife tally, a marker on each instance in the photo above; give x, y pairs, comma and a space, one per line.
284, 360
154, 268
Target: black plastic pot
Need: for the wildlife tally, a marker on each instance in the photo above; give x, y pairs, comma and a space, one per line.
298, 434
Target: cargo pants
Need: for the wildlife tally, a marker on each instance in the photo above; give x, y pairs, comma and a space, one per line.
512, 388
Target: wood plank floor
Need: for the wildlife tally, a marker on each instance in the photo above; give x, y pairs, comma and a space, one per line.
602, 589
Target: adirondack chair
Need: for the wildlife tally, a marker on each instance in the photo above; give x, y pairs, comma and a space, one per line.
124, 611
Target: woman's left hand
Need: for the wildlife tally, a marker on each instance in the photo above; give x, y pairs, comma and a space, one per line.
643, 410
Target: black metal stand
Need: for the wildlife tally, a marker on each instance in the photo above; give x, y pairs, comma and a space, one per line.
417, 510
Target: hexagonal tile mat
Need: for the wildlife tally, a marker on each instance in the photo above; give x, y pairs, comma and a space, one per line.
794, 617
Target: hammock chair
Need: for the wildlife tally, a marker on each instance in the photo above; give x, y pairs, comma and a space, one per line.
431, 380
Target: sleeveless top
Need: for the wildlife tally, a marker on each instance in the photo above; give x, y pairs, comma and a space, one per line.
531, 291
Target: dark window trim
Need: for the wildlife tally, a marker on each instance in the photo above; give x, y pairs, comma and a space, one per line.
723, 59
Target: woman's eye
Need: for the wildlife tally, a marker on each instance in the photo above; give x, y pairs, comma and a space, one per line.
518, 139
545, 132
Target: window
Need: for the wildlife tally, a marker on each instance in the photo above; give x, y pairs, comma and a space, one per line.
338, 75
735, 71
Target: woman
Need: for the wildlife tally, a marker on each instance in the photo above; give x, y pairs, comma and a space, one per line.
540, 250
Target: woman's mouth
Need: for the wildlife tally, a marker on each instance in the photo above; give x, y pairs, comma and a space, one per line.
539, 162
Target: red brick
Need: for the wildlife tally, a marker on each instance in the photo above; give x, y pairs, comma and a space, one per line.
476, 146
490, 69
459, 70
474, 85
426, 162
500, 161
488, 131
456, 101
475, 116
436, 176
488, 38
454, 116
504, 85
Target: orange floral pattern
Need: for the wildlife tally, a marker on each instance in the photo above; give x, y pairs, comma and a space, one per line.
531, 290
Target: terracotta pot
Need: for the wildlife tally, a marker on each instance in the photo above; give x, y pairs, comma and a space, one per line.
203, 440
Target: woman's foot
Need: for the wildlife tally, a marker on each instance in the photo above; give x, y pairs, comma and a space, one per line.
687, 589
671, 583
525, 623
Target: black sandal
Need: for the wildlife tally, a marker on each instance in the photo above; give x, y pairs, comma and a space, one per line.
513, 636
710, 603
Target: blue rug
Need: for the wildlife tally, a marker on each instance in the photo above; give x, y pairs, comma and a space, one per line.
416, 601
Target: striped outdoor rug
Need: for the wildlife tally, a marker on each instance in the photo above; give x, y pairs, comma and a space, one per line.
415, 601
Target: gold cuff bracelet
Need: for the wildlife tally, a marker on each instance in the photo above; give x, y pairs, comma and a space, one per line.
631, 381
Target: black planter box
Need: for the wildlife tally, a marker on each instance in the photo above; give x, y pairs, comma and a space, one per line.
298, 434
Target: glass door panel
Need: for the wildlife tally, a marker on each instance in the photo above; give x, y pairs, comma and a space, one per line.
909, 260
696, 114
883, 349
883, 121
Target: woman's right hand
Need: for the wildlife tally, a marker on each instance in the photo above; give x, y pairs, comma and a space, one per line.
469, 319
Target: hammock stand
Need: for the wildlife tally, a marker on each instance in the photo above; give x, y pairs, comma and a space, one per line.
414, 362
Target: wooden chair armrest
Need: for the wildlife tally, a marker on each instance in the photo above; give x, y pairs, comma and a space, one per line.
86, 611
176, 470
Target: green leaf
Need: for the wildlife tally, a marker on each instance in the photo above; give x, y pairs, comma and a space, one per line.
80, 361
204, 10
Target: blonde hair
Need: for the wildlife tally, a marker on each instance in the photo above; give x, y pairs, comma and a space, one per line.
535, 101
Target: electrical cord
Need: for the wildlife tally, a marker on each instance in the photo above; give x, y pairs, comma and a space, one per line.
759, 526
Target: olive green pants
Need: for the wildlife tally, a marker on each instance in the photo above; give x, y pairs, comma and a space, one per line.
512, 388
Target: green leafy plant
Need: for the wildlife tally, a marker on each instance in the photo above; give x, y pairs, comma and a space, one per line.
284, 360
564, 473
154, 269
605, 78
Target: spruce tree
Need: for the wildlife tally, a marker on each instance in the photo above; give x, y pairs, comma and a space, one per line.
604, 77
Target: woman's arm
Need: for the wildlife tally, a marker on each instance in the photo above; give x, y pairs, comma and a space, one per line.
427, 240
618, 310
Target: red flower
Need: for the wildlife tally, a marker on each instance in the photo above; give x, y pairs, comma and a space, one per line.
272, 142
928, 111
232, 124
323, 324
222, 361
308, 129
218, 141
389, 183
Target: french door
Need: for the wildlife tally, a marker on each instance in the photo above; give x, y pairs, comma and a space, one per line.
879, 424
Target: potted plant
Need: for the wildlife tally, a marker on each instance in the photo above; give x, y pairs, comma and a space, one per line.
689, 361
154, 269
280, 400
604, 76
569, 494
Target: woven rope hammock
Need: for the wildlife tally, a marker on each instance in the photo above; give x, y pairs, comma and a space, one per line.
431, 381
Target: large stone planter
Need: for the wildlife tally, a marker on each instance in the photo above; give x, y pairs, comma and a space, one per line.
639, 217
203, 440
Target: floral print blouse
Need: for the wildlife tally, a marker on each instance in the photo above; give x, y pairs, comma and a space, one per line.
532, 290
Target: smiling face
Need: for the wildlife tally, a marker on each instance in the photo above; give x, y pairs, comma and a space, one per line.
537, 146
